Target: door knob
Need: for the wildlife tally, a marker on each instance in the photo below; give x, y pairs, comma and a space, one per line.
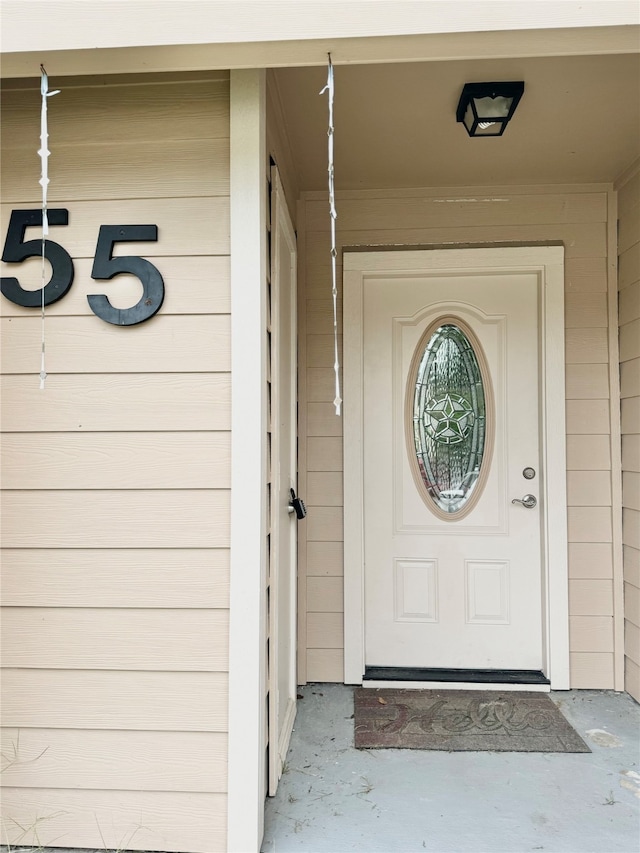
528, 500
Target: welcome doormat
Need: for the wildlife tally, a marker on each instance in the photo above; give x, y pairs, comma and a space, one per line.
462, 721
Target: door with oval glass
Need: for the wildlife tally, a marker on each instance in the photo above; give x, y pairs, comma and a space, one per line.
453, 525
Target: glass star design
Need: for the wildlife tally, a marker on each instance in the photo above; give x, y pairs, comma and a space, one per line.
448, 419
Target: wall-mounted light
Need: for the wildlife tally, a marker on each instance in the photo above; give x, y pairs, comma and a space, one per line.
485, 109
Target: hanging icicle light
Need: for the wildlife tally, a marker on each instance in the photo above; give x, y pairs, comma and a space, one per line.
334, 253
44, 183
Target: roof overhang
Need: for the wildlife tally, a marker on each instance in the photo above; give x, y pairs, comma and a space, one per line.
138, 36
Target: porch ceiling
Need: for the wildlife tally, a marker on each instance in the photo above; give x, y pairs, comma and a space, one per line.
578, 121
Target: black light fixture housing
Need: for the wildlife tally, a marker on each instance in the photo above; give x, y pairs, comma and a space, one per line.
485, 109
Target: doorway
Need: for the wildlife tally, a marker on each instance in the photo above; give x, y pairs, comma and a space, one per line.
455, 528
282, 432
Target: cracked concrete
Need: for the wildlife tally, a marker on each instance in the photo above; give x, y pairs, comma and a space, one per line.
335, 798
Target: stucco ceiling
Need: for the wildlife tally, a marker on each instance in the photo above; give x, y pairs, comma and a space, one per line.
578, 121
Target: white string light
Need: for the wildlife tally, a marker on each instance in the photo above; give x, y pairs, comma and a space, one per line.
44, 182
333, 216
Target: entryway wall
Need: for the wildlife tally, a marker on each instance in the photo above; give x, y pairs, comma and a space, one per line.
583, 218
116, 479
629, 310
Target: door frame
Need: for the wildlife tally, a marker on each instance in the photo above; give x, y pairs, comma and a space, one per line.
548, 263
283, 258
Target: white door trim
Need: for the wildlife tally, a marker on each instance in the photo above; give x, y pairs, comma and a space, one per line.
548, 263
283, 260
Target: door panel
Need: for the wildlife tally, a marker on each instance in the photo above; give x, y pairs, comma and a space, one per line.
484, 577
461, 590
283, 534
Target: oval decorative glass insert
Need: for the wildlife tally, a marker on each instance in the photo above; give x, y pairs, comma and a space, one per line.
449, 418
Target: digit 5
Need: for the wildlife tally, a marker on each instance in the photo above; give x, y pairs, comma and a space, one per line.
106, 267
16, 250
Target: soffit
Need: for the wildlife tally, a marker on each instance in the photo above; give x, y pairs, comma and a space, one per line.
578, 121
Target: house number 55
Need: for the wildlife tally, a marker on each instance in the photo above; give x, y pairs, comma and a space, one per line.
105, 266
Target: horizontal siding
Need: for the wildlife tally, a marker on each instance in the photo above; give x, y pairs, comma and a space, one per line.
589, 488
325, 664
113, 171
120, 578
580, 241
134, 700
589, 524
630, 415
629, 214
631, 452
578, 220
186, 226
586, 346
158, 761
116, 519
107, 402
324, 454
143, 112
115, 638
324, 488
587, 382
631, 676
192, 285
631, 490
116, 820
142, 460
588, 452
630, 378
629, 320
325, 628
628, 265
631, 527
591, 670
591, 634
629, 303
585, 276
586, 310
632, 565
450, 212
630, 340
199, 344
632, 641
325, 524
592, 560
587, 417
325, 595
632, 601
591, 597
325, 558
116, 478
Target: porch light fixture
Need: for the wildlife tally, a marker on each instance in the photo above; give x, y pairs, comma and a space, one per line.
485, 109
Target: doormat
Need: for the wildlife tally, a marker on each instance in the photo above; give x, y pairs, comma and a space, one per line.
462, 721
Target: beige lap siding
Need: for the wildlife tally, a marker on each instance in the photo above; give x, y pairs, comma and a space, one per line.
629, 315
577, 216
115, 509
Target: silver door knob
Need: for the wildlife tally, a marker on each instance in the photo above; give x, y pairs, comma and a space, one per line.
528, 500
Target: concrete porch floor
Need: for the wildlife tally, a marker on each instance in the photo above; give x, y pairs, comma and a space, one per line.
335, 798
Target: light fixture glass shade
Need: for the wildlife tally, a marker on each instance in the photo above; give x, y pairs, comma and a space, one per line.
486, 108
490, 108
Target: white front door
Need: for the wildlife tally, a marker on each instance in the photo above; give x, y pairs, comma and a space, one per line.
283, 440
453, 374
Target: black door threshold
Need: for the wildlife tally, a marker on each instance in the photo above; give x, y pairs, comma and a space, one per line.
469, 676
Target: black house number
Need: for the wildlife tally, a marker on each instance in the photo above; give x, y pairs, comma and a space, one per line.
105, 266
